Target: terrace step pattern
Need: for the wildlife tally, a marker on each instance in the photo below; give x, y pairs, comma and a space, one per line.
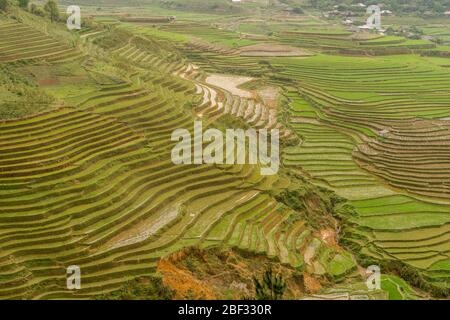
19, 41
95, 187
384, 146
217, 101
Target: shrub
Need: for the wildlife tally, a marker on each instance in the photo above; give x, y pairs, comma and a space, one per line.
142, 288
271, 286
34, 9
24, 3
4, 5
52, 9
298, 10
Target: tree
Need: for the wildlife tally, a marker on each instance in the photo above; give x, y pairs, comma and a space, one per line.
271, 287
24, 3
34, 9
52, 9
298, 10
438, 7
4, 4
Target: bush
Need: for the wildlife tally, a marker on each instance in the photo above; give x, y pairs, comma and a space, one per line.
52, 9
34, 9
298, 10
4, 5
24, 3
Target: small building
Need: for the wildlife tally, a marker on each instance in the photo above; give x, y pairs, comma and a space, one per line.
334, 13
447, 13
348, 22
364, 28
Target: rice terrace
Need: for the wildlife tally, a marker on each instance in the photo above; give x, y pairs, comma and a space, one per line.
353, 119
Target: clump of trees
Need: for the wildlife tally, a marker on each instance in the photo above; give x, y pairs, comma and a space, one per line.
297, 10
5, 4
270, 287
50, 10
410, 274
34, 9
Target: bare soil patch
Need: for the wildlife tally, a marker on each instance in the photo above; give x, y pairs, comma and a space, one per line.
221, 273
269, 95
144, 229
230, 83
48, 82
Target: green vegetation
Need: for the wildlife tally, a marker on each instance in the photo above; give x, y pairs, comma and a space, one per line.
20, 96
270, 287
418, 7
87, 115
24, 3
144, 288
4, 5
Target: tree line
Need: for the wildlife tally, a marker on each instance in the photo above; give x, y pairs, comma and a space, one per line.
50, 8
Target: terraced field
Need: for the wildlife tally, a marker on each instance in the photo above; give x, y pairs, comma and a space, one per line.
365, 141
22, 42
54, 188
374, 130
93, 184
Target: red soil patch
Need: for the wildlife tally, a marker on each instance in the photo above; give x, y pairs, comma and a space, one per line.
215, 273
328, 236
48, 82
312, 285
269, 95
185, 285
